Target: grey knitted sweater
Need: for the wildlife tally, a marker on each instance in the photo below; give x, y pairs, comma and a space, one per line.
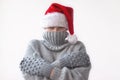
68, 61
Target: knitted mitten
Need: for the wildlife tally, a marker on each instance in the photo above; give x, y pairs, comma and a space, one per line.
77, 59
34, 66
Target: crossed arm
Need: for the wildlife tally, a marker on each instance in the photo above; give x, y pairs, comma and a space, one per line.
67, 64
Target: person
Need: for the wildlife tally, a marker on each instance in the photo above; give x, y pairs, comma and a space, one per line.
59, 56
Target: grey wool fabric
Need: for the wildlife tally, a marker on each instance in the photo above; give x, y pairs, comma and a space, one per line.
67, 61
34, 66
73, 60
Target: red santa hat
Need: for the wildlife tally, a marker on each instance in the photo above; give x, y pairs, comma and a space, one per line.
60, 15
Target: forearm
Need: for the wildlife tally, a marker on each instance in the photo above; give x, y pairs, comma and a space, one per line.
39, 67
34, 66
73, 60
79, 73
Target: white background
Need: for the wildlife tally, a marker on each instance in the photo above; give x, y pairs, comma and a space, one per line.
96, 23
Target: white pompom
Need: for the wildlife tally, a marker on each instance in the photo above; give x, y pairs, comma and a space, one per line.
72, 39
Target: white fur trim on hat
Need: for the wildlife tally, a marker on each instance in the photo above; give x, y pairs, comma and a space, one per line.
54, 19
72, 39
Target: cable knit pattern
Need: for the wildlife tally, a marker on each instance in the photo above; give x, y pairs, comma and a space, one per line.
63, 61
73, 60
54, 48
34, 66
55, 38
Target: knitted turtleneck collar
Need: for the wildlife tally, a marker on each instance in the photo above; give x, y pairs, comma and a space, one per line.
55, 40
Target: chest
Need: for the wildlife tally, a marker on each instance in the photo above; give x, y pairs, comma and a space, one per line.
51, 55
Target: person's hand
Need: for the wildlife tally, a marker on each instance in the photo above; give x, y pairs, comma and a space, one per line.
55, 73
52, 72
56, 64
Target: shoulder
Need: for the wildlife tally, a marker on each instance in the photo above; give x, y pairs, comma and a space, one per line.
34, 42
78, 45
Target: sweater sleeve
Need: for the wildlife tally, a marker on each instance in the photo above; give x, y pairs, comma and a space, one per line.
74, 59
74, 66
34, 65
78, 73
